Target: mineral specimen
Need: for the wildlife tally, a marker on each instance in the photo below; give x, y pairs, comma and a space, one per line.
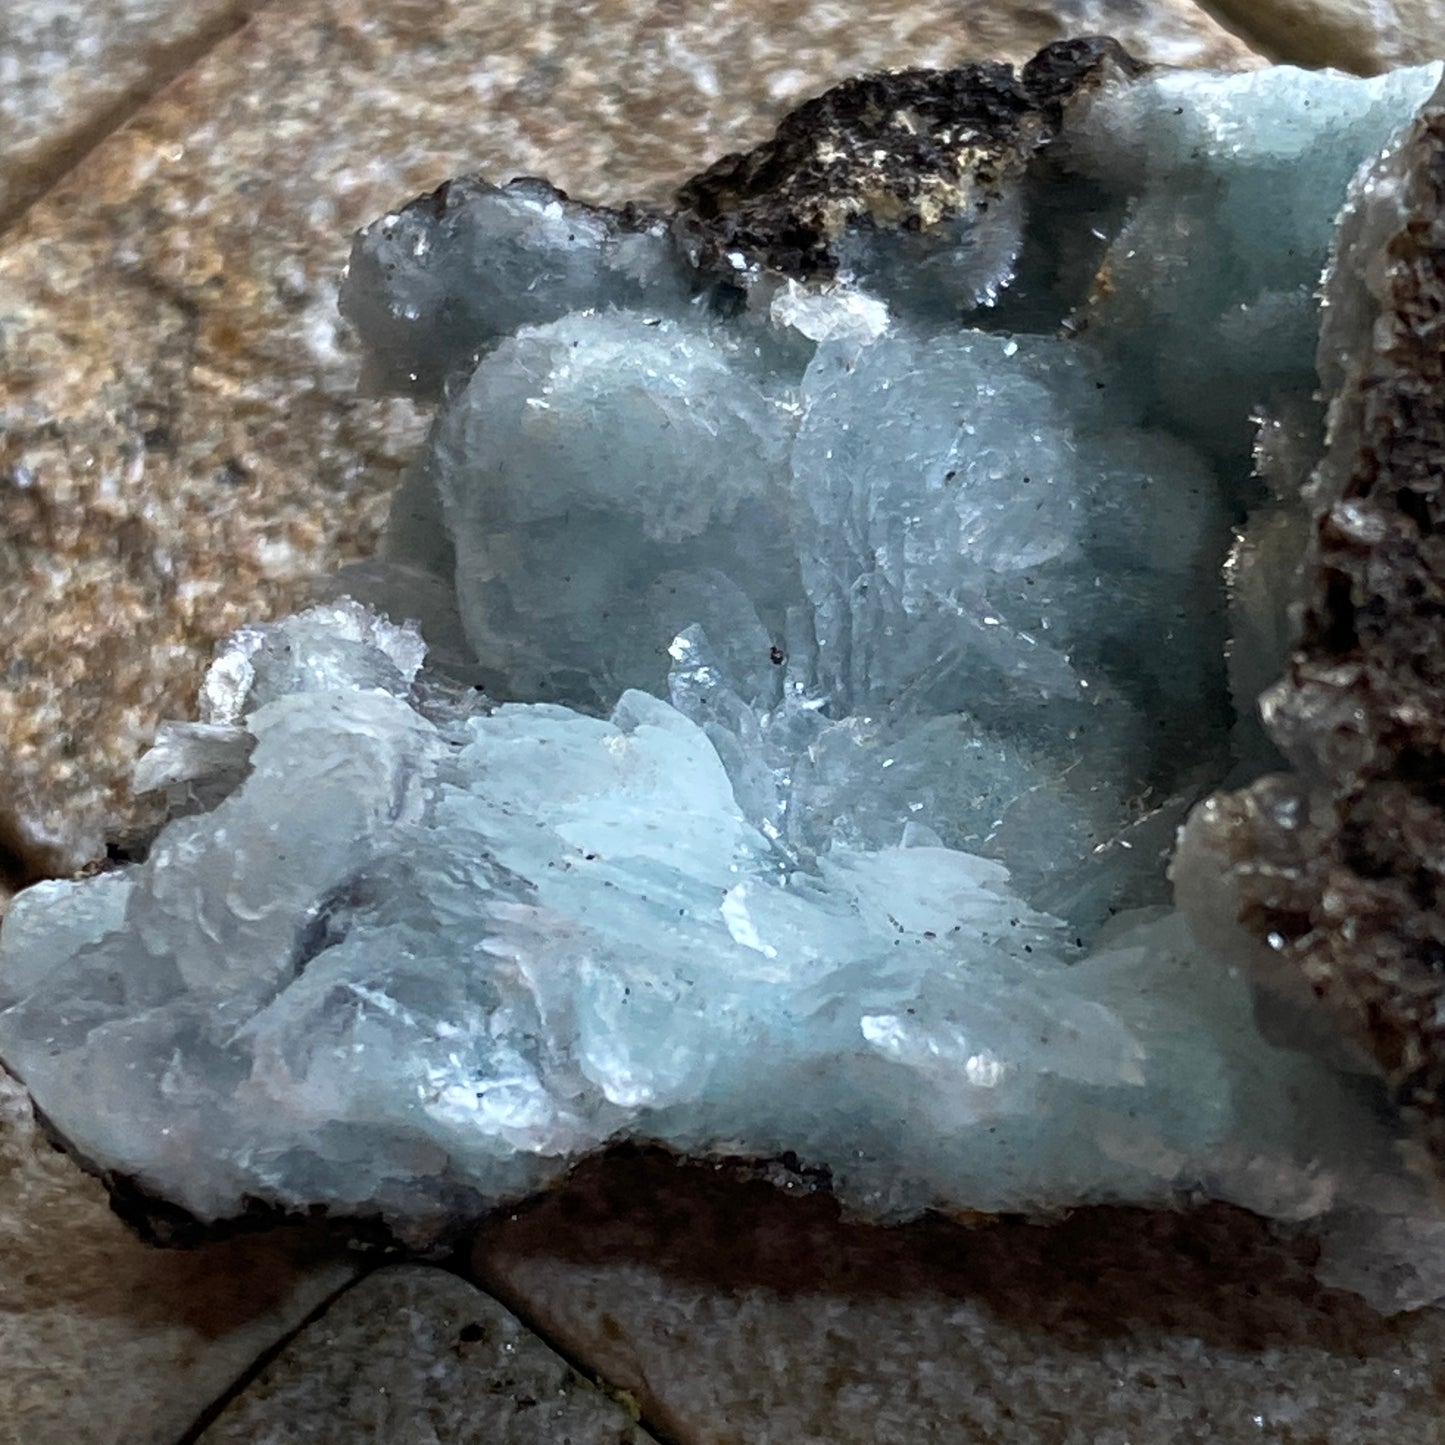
824, 593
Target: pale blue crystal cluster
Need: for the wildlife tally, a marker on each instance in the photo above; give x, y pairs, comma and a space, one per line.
818, 676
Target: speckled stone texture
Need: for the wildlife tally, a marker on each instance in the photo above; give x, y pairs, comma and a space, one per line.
414, 1356
1366, 36
72, 70
734, 1313
181, 445
105, 1340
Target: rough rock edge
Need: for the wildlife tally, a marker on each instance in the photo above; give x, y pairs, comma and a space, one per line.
894, 150
898, 150
159, 1221
1334, 876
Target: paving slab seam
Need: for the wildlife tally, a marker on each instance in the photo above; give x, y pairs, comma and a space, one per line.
662, 1431
247, 1377
37, 179
1242, 25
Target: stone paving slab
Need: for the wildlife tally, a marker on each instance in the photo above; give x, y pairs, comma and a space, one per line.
107, 1341
181, 446
735, 1313
72, 70
415, 1356
1346, 34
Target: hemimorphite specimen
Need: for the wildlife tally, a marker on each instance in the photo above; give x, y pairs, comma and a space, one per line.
824, 587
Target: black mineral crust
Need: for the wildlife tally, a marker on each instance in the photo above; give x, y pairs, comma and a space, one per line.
903, 150
893, 155
1339, 871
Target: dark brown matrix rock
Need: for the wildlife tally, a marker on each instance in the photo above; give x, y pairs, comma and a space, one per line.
1340, 870
900, 150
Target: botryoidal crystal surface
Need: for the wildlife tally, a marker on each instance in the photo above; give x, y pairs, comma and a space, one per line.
820, 635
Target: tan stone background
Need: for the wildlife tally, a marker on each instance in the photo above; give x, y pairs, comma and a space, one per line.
182, 449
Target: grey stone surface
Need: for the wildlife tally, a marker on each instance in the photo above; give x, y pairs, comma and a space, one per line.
415, 1356
737, 1314
105, 1340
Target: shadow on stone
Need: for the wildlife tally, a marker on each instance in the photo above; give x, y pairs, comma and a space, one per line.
1216, 1272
